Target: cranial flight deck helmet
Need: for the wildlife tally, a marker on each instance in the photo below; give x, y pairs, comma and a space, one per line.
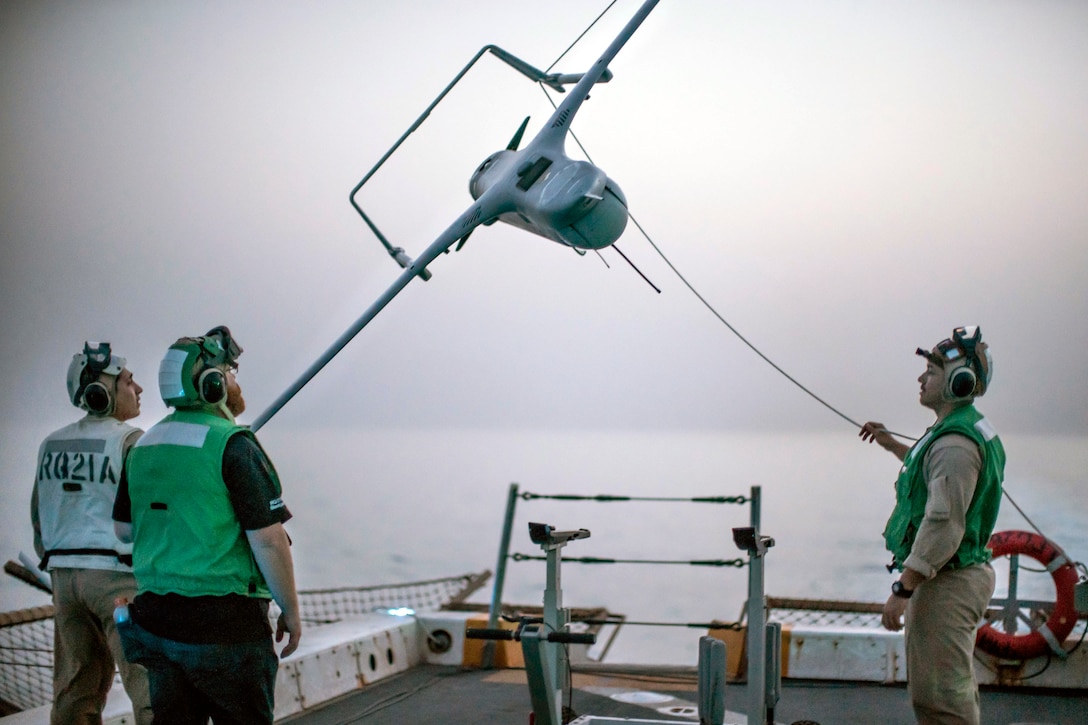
193, 371
84, 389
966, 361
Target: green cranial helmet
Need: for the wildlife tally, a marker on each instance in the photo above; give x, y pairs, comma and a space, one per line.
191, 372
84, 370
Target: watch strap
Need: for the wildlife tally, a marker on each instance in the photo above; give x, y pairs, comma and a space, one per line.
901, 591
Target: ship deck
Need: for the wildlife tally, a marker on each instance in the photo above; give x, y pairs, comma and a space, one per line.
460, 696
380, 667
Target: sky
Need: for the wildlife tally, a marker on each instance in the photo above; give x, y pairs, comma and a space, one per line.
841, 181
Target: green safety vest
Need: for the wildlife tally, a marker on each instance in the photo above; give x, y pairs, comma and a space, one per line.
186, 537
911, 491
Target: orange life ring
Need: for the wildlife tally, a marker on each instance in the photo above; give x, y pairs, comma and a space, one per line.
1050, 635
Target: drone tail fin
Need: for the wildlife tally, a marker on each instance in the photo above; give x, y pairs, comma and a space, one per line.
516, 140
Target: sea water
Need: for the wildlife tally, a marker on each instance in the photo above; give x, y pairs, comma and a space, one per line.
376, 506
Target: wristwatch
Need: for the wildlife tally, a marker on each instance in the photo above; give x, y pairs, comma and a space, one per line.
901, 591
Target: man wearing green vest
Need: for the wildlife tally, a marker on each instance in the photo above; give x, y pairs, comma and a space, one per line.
202, 505
946, 502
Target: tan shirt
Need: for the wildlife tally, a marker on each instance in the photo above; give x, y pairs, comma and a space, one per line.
951, 468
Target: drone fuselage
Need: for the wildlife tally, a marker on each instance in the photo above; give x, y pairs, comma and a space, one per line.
544, 192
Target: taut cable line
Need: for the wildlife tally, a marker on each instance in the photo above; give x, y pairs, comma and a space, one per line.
706, 303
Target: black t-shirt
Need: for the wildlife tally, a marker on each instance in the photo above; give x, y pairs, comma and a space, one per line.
246, 471
209, 619
248, 475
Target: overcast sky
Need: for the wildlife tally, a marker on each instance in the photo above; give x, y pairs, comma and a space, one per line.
843, 181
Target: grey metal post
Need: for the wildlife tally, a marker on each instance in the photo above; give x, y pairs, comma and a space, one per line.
774, 666
757, 618
488, 659
755, 510
555, 620
712, 664
549, 678
1011, 610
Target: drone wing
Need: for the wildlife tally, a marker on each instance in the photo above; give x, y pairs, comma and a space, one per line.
484, 209
555, 130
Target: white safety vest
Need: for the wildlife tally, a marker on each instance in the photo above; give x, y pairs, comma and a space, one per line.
79, 467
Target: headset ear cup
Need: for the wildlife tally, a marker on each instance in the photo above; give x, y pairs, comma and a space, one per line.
961, 382
212, 385
97, 398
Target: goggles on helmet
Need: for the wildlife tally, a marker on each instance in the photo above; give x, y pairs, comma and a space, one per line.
960, 346
100, 359
94, 360
967, 338
219, 349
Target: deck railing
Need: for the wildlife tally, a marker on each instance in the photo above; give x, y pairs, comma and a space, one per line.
753, 500
26, 636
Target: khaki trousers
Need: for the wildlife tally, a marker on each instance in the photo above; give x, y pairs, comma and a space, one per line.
940, 637
86, 647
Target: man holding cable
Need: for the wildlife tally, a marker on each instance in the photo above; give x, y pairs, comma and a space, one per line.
947, 498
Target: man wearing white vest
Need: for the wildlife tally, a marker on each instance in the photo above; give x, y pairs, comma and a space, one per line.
80, 468
203, 508
947, 498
